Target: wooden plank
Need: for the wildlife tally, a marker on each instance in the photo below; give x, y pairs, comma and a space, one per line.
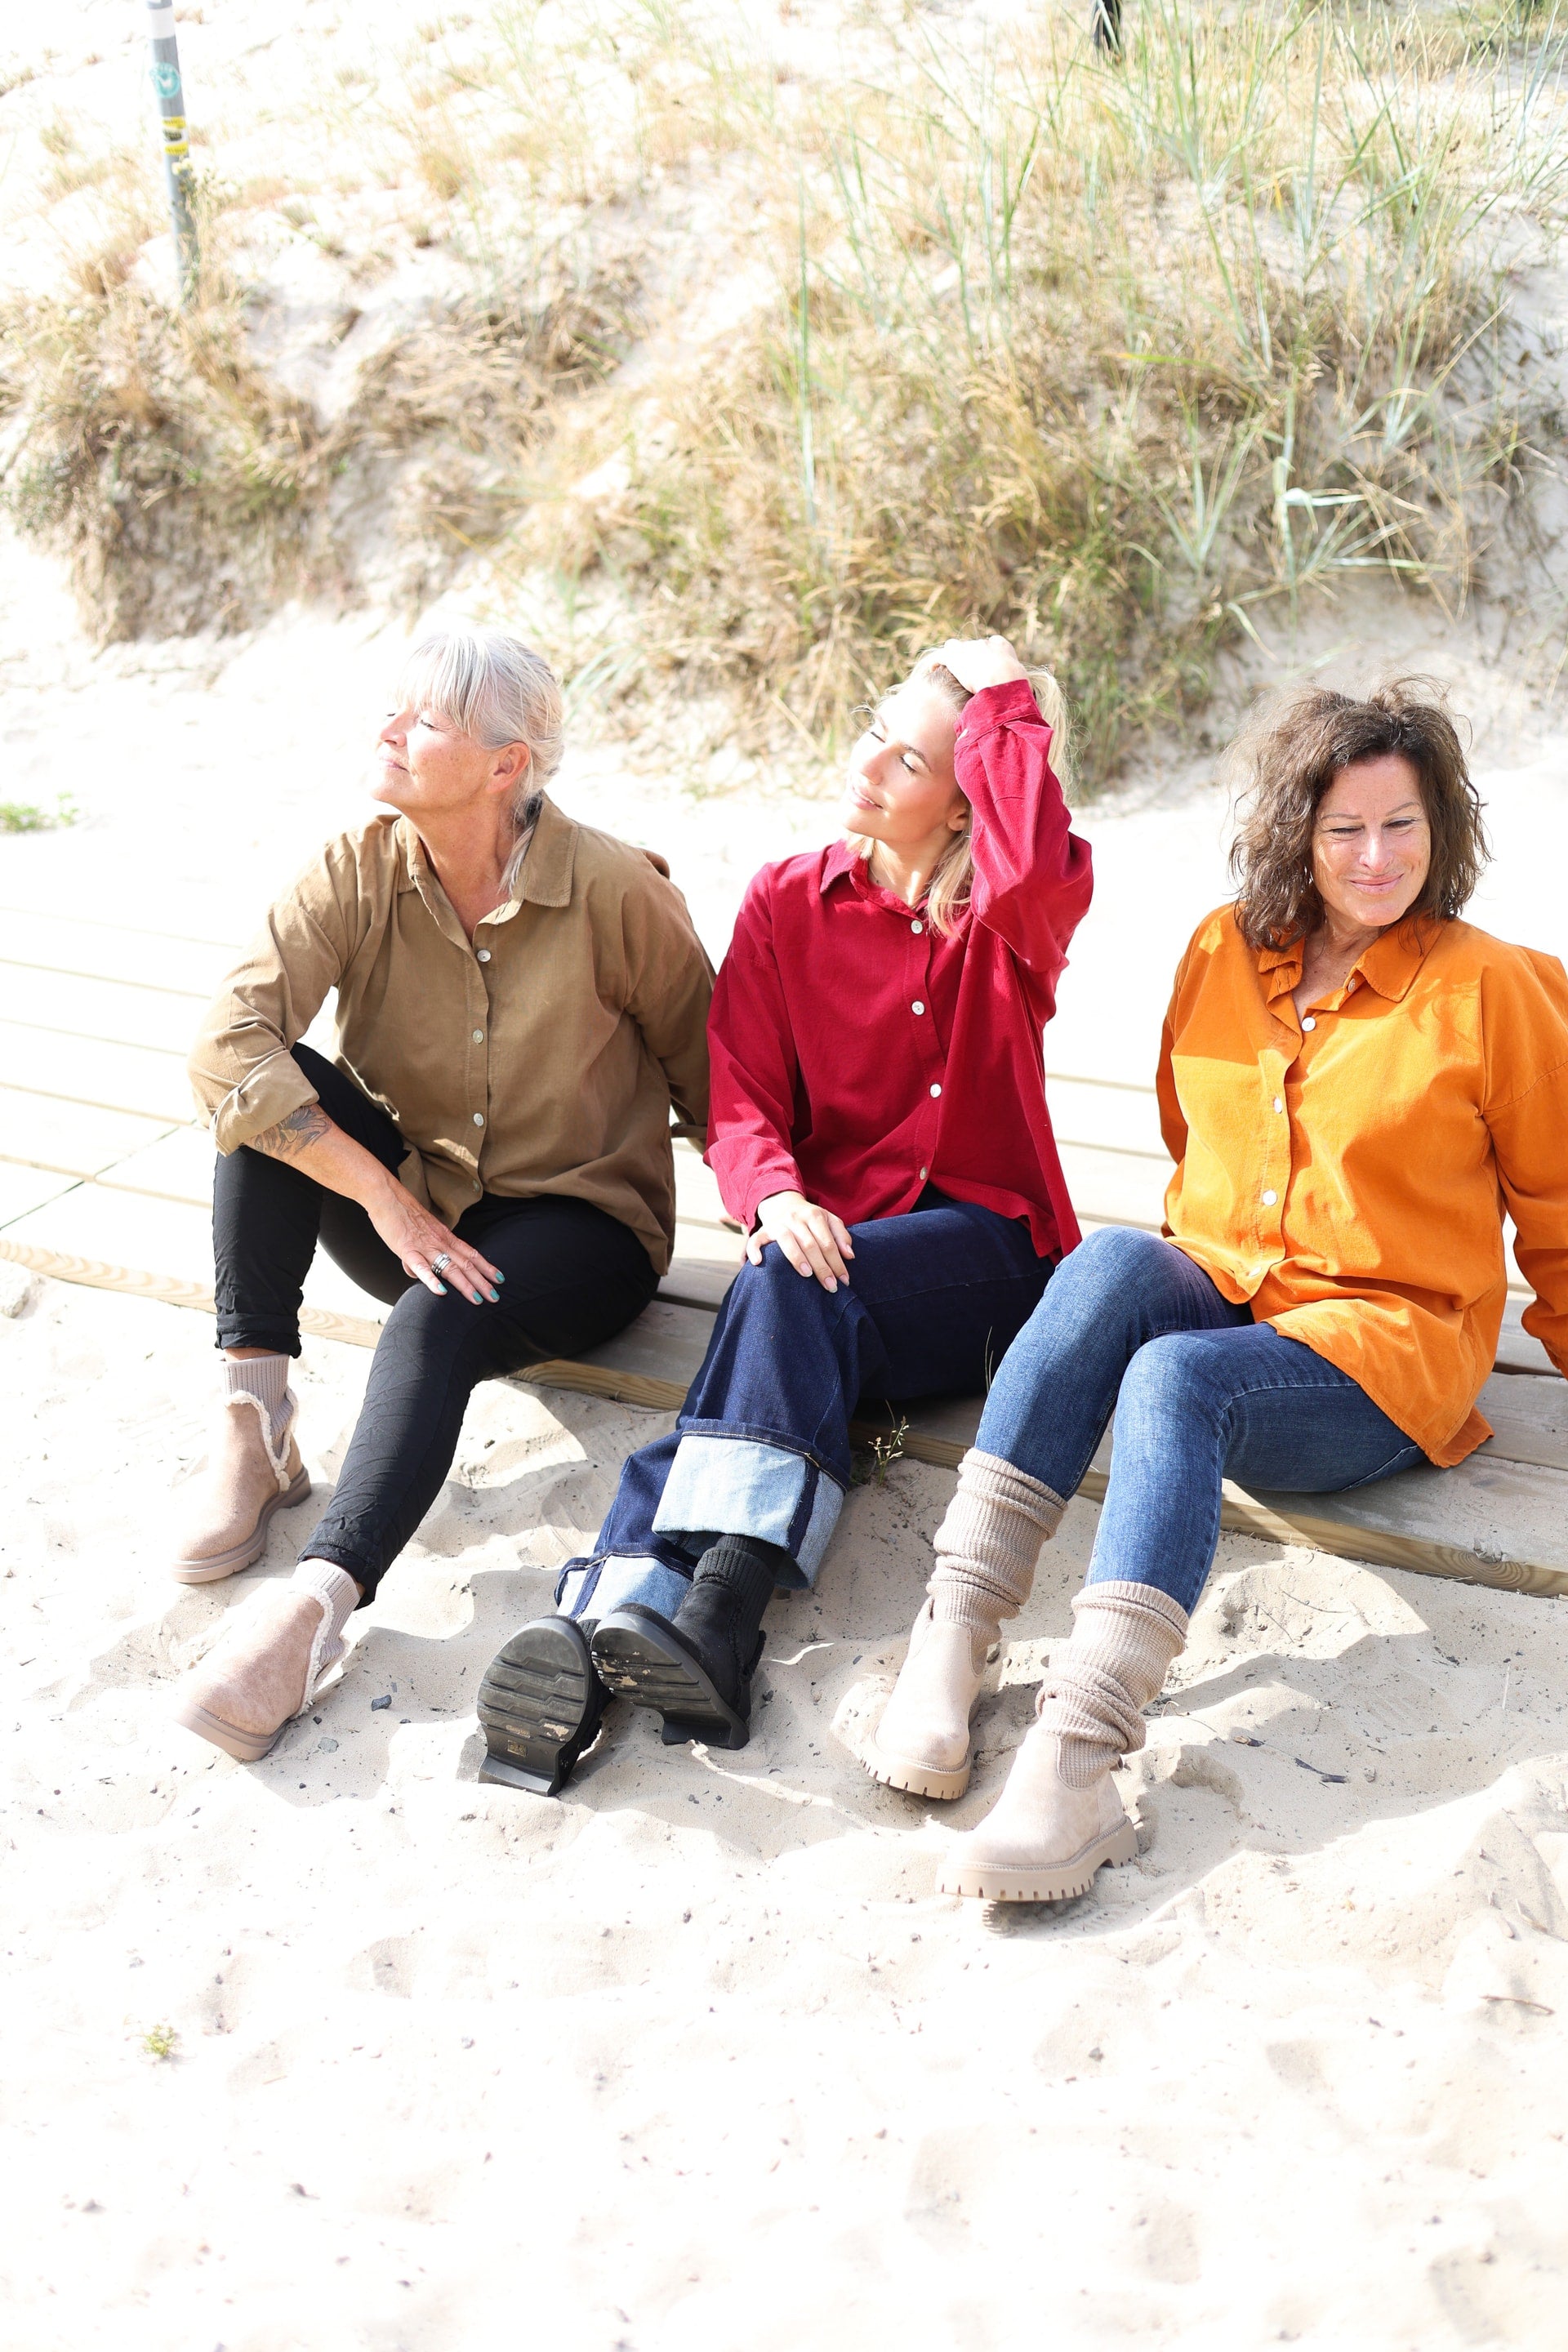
1517, 1351
102, 1008
120, 951
76, 1138
696, 1282
1116, 1187
1495, 1522
147, 1083
1126, 1117
123, 1229
175, 1167
23, 1189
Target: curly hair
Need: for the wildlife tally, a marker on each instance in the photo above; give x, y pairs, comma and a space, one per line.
1292, 754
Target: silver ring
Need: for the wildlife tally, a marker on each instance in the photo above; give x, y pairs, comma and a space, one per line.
439, 1264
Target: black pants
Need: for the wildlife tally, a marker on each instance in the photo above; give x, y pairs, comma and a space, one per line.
574, 1276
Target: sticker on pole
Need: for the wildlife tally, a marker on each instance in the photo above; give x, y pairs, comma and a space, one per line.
166, 80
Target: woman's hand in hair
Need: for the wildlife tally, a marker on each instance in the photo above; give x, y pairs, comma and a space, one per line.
977, 662
813, 1240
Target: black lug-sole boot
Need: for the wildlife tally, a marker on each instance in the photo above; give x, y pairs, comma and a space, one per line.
540, 1707
696, 1671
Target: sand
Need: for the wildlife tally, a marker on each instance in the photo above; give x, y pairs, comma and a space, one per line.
696, 2055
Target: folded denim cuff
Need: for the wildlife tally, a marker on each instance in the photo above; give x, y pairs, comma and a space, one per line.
737, 1486
590, 1588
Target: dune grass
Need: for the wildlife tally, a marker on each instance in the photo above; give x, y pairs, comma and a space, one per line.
1116, 359
949, 329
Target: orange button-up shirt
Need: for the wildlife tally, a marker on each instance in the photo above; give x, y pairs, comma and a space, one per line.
1346, 1174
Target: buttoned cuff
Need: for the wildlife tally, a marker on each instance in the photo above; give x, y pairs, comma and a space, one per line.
268, 1091
995, 705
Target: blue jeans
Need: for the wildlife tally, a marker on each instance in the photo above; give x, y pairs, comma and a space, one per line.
935, 1300
1200, 1391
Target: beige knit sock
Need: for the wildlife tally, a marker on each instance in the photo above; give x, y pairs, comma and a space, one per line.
264, 1380
1125, 1637
987, 1545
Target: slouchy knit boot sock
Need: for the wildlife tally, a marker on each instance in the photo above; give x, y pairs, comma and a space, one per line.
253, 1469
1058, 1817
986, 1549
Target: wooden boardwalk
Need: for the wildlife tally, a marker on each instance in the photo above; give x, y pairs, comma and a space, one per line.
105, 1178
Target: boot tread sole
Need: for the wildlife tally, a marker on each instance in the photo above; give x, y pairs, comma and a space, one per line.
535, 1708
917, 1779
1057, 1882
245, 1747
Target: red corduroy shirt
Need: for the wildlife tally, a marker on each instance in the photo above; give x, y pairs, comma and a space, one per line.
858, 1054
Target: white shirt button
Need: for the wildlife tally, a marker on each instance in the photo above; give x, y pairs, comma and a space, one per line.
1277, 1103
917, 1006
917, 925
480, 1039
1311, 1022
925, 1173
936, 1090
1269, 1199
479, 1119
484, 955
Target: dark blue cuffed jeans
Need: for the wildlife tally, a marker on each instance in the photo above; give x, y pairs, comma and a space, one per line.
1200, 1391
933, 1302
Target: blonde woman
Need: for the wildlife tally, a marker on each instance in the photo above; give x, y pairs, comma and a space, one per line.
880, 1128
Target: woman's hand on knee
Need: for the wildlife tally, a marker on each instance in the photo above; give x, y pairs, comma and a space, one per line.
417, 1238
813, 1240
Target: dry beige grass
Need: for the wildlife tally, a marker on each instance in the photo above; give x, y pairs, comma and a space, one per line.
1111, 357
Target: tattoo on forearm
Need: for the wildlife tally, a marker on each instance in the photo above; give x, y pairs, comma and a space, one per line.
293, 1133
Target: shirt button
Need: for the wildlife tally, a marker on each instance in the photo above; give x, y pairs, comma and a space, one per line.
1311, 1022
1269, 1199
917, 1006
917, 925
936, 1090
1277, 1103
925, 1173
479, 1119
480, 1039
484, 955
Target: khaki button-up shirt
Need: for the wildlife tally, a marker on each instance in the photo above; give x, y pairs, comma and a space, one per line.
541, 1058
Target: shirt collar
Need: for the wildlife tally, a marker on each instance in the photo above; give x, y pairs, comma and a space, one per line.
546, 876
842, 859
1389, 965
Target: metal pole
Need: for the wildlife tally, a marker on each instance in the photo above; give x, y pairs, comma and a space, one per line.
177, 166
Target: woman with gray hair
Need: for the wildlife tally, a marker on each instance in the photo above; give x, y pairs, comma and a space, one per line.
520, 1000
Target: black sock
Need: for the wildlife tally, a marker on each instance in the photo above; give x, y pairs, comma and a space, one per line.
747, 1567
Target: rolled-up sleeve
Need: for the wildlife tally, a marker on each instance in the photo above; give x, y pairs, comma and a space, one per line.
242, 1068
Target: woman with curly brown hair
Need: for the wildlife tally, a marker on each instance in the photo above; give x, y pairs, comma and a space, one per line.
1354, 1084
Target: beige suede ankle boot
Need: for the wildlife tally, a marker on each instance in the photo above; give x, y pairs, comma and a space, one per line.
1058, 1817
986, 1549
275, 1655
253, 1468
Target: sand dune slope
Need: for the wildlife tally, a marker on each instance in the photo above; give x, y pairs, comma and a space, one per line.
696, 2056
